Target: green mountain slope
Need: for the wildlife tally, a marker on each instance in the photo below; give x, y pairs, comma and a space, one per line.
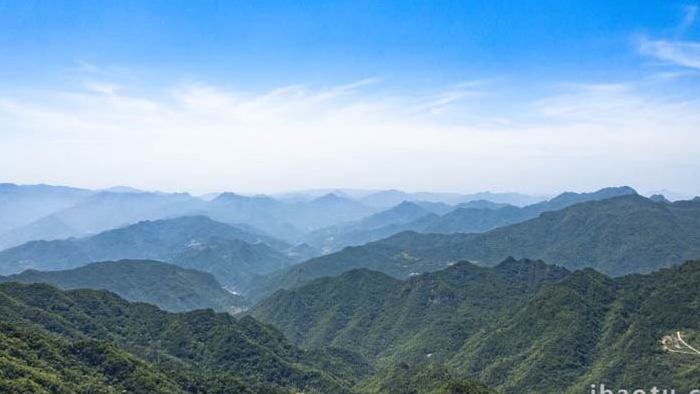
187, 241
521, 327
32, 361
165, 285
198, 351
395, 321
616, 236
233, 262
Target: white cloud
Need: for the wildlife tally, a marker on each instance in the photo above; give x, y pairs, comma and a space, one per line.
201, 137
681, 53
689, 17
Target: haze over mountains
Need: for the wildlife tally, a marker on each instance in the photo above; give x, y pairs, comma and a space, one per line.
619, 235
373, 292
470, 217
47, 212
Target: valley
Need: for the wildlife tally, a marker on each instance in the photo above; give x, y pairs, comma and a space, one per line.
486, 310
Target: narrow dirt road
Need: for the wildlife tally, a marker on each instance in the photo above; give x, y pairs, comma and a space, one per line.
676, 344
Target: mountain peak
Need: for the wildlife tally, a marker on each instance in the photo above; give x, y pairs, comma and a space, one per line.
659, 198
604, 193
227, 196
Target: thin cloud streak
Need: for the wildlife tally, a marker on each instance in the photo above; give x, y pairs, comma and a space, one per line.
206, 138
681, 53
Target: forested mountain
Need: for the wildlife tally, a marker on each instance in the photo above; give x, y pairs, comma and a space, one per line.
85, 341
236, 263
157, 240
521, 326
166, 285
368, 307
617, 236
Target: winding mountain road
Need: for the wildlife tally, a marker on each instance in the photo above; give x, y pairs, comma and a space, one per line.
676, 344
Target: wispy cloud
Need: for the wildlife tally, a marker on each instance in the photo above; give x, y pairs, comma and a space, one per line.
675, 51
681, 53
689, 17
206, 137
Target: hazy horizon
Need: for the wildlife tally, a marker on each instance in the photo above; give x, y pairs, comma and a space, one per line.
363, 192
216, 96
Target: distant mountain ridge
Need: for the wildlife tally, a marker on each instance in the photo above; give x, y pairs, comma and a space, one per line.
181, 241
405, 216
620, 235
470, 217
166, 285
21, 205
45, 212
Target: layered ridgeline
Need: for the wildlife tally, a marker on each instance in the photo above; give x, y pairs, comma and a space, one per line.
96, 212
96, 339
21, 205
165, 285
406, 216
34, 212
86, 341
616, 236
232, 254
470, 217
521, 326
389, 198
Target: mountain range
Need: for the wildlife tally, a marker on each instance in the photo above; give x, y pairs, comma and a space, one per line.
520, 326
45, 212
619, 235
86, 341
232, 254
470, 217
166, 285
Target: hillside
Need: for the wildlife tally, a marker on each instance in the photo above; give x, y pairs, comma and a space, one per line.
34, 361
366, 310
233, 262
168, 286
520, 327
71, 341
161, 240
617, 236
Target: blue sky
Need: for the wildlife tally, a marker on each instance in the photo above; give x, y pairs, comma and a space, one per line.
571, 93
281, 42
